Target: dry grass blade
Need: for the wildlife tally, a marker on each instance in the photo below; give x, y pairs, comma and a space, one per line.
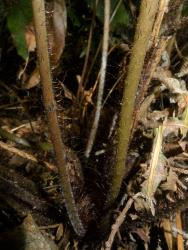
167, 233
85, 66
156, 169
180, 243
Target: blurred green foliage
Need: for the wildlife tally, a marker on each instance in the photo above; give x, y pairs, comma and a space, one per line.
18, 16
185, 9
74, 17
121, 15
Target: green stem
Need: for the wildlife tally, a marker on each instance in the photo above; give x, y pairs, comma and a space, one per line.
145, 22
50, 107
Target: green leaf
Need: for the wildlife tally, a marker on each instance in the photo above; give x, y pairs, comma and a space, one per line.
121, 16
74, 17
18, 17
185, 9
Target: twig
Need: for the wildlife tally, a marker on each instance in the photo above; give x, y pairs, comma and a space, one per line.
120, 219
25, 155
49, 226
102, 79
94, 59
145, 22
112, 89
51, 110
115, 10
92, 63
81, 83
163, 6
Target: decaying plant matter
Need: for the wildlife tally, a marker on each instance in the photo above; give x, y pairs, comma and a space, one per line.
113, 162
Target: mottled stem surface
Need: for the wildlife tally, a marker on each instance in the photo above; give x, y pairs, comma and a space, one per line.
145, 22
50, 108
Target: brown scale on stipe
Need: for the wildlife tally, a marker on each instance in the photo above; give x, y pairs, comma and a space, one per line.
68, 113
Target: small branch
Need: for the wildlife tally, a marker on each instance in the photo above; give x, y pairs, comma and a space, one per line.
82, 84
50, 107
145, 22
120, 219
95, 57
102, 79
163, 7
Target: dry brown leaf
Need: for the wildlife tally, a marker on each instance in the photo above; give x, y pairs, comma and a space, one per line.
33, 80
56, 26
133, 216
152, 119
67, 93
174, 85
141, 204
170, 198
30, 38
171, 181
185, 122
182, 101
180, 184
183, 144
31, 238
143, 233
172, 126
184, 68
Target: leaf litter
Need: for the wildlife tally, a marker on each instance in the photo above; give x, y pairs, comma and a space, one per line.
160, 178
